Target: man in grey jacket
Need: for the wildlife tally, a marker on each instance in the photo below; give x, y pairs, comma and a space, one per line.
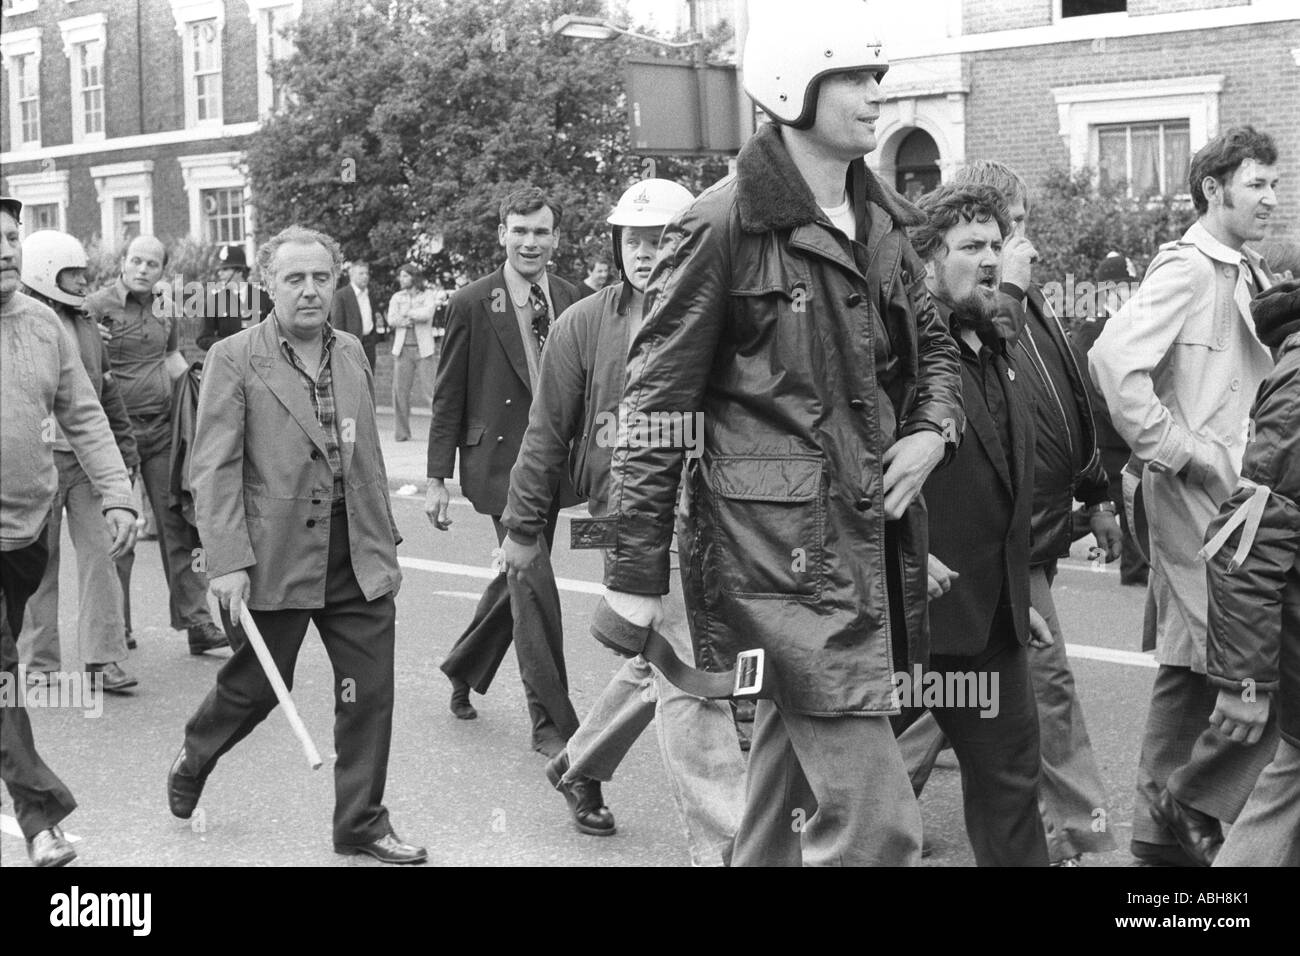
42, 384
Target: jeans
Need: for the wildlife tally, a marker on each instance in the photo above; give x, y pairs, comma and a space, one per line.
408, 365
697, 739
99, 598
826, 791
1267, 831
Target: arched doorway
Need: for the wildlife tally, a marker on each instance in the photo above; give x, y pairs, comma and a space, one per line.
916, 165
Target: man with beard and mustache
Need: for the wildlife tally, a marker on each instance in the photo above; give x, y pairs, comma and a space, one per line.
979, 513
1179, 366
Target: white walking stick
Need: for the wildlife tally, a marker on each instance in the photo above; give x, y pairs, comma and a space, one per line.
277, 684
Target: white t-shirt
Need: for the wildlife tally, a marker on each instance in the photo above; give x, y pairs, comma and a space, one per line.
843, 218
363, 303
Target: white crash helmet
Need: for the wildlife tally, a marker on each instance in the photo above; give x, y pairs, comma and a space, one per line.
651, 202
790, 51
46, 253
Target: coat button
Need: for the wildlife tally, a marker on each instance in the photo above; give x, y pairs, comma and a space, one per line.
311, 522
1228, 271
315, 501
854, 300
500, 438
1235, 385
508, 401
863, 504
315, 456
857, 404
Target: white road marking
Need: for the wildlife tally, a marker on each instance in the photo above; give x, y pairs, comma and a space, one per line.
9, 827
1082, 651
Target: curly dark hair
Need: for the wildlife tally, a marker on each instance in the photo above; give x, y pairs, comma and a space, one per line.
1220, 157
951, 204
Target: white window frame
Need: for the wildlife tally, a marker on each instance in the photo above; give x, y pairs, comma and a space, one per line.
215, 171
187, 12
1170, 188
15, 44
76, 31
17, 7
49, 187
118, 181
258, 11
1081, 109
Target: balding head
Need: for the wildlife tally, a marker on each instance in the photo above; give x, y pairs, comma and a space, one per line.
142, 266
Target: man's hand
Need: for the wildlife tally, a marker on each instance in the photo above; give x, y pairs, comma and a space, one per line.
517, 559
104, 333
643, 610
122, 529
436, 500
1110, 539
231, 591
908, 462
941, 578
1240, 720
1040, 635
1018, 255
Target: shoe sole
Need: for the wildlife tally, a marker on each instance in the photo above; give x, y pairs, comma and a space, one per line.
466, 713
120, 688
200, 651
592, 831
361, 851
63, 860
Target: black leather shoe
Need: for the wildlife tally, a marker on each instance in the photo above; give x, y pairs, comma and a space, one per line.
130, 640
1199, 834
206, 637
387, 849
183, 788
115, 680
590, 815
460, 705
50, 848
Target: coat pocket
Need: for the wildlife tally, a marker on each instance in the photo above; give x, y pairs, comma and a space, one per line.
473, 435
770, 518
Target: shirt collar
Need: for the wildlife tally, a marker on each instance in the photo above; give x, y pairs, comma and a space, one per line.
327, 337
1212, 247
123, 293
991, 340
520, 288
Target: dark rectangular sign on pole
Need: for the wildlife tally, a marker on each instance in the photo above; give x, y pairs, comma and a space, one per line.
663, 104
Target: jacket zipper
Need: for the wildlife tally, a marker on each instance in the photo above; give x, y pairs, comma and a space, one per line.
1041, 368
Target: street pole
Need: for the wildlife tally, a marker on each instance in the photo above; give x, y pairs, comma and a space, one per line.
701, 66
744, 108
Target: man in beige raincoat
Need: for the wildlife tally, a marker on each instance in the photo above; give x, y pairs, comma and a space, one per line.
1179, 366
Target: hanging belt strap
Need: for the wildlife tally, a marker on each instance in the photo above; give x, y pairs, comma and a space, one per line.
745, 681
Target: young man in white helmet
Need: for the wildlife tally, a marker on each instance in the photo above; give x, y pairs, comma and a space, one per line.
574, 423
54, 274
787, 306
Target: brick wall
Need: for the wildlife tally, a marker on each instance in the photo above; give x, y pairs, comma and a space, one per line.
986, 16
1142, 8
1262, 87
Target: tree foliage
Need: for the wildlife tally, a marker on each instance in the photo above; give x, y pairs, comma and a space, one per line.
1075, 222
411, 119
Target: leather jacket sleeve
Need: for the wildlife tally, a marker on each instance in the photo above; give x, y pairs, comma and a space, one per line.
1245, 606
668, 368
938, 405
554, 421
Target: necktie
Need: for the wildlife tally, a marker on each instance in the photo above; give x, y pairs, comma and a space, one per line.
541, 314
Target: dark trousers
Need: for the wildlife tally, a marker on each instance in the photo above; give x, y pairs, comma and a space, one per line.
368, 343
999, 756
40, 798
1182, 751
358, 637
526, 611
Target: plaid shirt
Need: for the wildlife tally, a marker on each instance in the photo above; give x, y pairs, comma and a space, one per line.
321, 391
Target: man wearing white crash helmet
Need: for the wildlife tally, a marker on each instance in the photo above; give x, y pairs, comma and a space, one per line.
575, 421
54, 273
787, 307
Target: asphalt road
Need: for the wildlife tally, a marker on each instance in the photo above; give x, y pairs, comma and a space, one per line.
473, 792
